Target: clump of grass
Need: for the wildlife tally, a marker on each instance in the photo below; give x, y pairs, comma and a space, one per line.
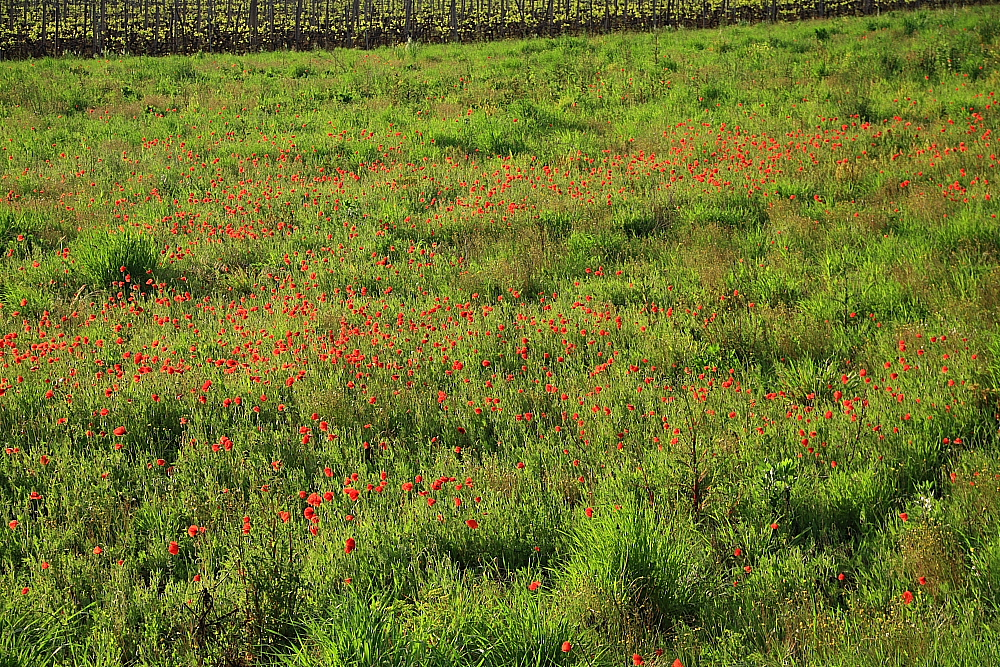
116, 258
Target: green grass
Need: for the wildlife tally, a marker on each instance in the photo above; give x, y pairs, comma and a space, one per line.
698, 329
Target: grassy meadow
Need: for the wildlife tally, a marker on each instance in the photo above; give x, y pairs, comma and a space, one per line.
632, 349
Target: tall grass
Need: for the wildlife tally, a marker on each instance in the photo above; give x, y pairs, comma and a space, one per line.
680, 345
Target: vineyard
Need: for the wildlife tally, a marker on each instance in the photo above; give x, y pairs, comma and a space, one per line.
35, 28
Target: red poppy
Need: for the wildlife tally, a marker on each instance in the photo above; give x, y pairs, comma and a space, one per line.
907, 597
193, 531
904, 516
589, 512
14, 524
637, 660
534, 585
567, 647
120, 431
472, 523
174, 548
350, 545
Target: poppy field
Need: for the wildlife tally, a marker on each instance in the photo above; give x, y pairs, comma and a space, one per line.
677, 348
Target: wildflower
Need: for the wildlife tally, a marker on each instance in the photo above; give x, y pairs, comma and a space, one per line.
904, 516
907, 597
566, 647
14, 524
534, 585
120, 431
192, 531
98, 551
174, 548
589, 512
350, 545
637, 659
774, 526
472, 523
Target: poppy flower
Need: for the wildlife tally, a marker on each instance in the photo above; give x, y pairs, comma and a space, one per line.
637, 659
120, 431
677, 663
589, 512
350, 545
534, 585
174, 548
14, 524
472, 523
566, 647
904, 516
98, 551
192, 531
774, 526
907, 597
